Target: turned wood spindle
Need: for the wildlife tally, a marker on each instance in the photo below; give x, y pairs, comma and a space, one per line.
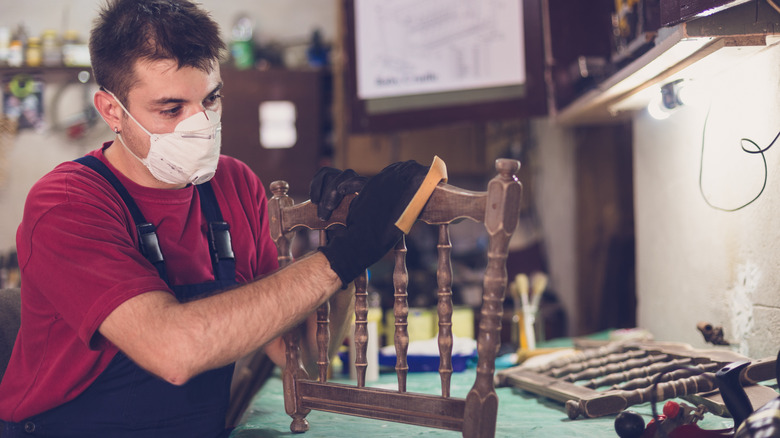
323, 340
294, 366
615, 401
401, 313
501, 219
637, 372
323, 331
361, 328
595, 362
579, 356
615, 367
665, 376
444, 308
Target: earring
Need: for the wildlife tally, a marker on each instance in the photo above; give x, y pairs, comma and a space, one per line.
116, 130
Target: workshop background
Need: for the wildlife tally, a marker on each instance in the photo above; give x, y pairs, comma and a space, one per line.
637, 222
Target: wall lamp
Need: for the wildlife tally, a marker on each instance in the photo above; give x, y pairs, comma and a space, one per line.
672, 96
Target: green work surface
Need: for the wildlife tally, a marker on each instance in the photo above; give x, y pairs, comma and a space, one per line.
520, 414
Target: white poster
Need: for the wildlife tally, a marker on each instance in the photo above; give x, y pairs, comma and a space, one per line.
406, 47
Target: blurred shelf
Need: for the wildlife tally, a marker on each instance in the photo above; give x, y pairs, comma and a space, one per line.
717, 39
59, 73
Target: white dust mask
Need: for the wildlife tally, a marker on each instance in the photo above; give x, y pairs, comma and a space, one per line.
189, 154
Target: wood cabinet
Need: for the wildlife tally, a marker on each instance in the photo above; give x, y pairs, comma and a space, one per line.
307, 91
580, 47
463, 147
676, 11
713, 32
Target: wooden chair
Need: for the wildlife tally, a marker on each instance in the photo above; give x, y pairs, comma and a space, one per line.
612, 377
10, 321
498, 208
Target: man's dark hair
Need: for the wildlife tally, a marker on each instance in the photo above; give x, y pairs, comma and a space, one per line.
131, 30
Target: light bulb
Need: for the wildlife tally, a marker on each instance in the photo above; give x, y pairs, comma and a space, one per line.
656, 107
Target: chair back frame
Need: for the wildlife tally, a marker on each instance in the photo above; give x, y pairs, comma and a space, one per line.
475, 416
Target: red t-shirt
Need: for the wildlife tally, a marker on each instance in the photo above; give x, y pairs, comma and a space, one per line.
78, 256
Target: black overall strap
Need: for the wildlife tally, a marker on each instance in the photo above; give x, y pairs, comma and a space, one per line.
147, 234
220, 246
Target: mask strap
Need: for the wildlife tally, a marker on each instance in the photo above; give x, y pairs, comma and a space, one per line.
143, 161
128, 113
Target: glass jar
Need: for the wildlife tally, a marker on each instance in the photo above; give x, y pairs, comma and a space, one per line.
74, 53
34, 53
52, 52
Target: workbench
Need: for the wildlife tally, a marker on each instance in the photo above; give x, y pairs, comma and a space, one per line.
520, 414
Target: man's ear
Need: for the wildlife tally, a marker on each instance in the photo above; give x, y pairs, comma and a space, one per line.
109, 109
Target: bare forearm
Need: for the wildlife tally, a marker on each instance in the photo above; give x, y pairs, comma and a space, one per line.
177, 341
262, 310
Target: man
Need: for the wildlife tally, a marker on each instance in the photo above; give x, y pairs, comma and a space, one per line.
147, 266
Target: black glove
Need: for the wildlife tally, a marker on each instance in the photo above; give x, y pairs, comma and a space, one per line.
371, 230
329, 186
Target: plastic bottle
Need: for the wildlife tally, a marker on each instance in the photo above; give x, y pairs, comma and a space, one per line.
317, 52
15, 53
242, 45
17, 47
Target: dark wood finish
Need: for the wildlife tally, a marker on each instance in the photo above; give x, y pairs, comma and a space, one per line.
606, 290
384, 404
578, 29
662, 372
243, 93
597, 362
534, 103
633, 375
50, 74
742, 24
677, 11
323, 340
444, 309
616, 367
475, 416
616, 401
400, 314
631, 368
465, 147
361, 329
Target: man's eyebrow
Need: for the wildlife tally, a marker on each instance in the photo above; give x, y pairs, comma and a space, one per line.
169, 100
217, 89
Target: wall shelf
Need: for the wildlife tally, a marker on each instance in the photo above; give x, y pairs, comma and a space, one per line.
728, 35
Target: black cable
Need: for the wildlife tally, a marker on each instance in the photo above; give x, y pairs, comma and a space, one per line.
742, 142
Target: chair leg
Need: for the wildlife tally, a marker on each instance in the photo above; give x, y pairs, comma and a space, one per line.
482, 400
293, 371
481, 414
